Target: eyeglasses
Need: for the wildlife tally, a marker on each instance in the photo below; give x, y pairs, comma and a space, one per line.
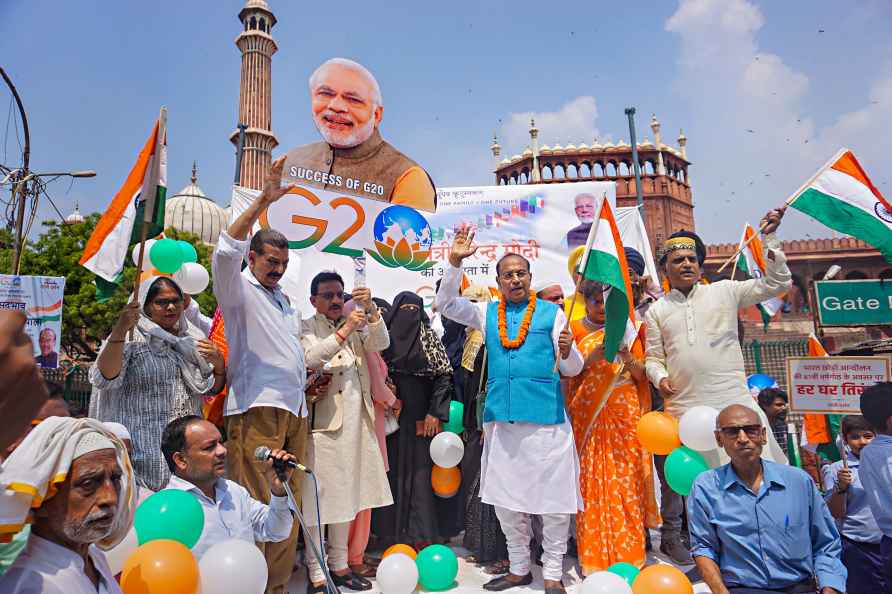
518, 274
162, 303
752, 431
329, 295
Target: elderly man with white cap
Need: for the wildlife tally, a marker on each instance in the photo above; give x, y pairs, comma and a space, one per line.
72, 480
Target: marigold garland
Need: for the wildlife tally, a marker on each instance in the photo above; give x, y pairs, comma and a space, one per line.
524, 324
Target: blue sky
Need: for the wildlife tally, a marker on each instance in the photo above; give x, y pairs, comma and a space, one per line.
93, 75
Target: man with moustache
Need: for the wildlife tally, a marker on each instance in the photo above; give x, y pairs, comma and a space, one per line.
266, 374
528, 439
194, 451
48, 356
758, 527
352, 157
343, 451
71, 518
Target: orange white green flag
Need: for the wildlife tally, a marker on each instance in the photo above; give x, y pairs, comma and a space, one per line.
841, 196
604, 261
141, 198
820, 430
752, 263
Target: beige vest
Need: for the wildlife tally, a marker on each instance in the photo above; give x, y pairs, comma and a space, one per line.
374, 163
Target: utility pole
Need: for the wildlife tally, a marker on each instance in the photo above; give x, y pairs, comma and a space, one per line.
630, 112
19, 189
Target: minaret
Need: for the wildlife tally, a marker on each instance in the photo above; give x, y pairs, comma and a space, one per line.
496, 151
255, 91
534, 135
682, 142
658, 143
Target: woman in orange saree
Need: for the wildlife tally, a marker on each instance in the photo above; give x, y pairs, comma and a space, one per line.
605, 406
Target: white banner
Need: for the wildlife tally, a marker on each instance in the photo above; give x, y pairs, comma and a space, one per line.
40, 299
540, 222
832, 385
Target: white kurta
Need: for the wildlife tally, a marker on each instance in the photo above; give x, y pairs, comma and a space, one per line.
48, 568
526, 468
347, 463
692, 339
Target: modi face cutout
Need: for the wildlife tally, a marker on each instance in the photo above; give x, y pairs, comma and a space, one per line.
346, 102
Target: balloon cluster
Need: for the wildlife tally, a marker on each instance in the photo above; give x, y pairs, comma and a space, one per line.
758, 382
155, 556
177, 259
625, 578
402, 569
681, 443
447, 449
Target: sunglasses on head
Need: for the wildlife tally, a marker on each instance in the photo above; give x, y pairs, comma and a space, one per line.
751, 431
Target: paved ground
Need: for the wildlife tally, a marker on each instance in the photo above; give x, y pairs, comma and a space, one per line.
471, 578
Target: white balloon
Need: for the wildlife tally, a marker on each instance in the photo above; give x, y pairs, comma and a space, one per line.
696, 428
118, 554
397, 574
604, 582
233, 567
192, 277
134, 255
447, 449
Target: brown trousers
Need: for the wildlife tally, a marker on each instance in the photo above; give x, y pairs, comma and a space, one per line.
275, 428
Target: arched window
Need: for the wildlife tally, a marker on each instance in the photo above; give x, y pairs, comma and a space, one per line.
598, 169
648, 167
547, 173
610, 169
572, 171
585, 170
253, 23
682, 175
559, 172
623, 169
263, 24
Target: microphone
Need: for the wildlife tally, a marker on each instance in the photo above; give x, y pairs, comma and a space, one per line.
263, 454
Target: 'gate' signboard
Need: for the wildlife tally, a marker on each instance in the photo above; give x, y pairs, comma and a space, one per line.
854, 302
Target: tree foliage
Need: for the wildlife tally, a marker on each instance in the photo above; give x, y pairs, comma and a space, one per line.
86, 321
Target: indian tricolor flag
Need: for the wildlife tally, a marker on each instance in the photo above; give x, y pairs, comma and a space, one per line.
841, 196
604, 261
752, 263
820, 431
141, 198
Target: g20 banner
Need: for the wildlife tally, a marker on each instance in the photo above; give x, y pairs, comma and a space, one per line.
406, 249
40, 299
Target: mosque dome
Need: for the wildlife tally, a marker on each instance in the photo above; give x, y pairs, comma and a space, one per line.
191, 210
75, 217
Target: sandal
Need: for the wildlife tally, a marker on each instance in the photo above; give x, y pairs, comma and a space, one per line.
365, 570
352, 581
371, 561
497, 568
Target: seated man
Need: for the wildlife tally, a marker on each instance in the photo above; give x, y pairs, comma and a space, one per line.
194, 451
90, 506
758, 526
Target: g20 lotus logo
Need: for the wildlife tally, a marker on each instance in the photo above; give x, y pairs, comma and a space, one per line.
402, 239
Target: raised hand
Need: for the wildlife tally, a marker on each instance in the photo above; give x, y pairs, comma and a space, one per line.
357, 319
462, 246
771, 221
126, 321
272, 185
211, 353
275, 483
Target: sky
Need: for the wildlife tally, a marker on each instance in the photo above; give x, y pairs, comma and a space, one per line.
766, 92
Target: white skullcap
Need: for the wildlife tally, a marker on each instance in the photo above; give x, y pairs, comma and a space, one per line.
118, 429
92, 442
540, 286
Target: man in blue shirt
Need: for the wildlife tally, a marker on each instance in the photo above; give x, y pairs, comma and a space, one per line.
876, 465
847, 501
757, 526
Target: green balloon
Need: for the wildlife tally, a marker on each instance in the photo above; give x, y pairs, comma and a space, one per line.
627, 571
170, 514
456, 417
437, 567
166, 255
188, 250
682, 466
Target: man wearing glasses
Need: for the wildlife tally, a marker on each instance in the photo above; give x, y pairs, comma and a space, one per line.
759, 527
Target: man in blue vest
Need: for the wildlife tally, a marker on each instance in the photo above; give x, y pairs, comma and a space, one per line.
529, 465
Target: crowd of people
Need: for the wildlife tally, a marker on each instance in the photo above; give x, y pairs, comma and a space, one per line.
357, 392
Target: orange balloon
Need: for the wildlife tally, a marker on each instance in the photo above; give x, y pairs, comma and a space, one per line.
147, 274
160, 567
662, 579
658, 432
445, 481
400, 548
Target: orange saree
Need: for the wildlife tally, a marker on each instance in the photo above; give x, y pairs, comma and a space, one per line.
604, 406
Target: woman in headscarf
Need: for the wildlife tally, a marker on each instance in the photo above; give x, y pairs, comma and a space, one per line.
419, 367
158, 375
604, 404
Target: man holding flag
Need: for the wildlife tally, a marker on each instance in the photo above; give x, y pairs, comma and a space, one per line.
528, 439
693, 351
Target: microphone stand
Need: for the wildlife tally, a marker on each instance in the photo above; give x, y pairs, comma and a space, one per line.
318, 552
